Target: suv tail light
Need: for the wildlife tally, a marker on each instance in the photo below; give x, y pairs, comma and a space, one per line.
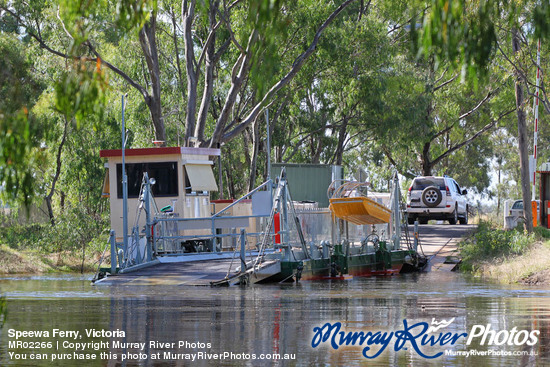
410, 189
448, 191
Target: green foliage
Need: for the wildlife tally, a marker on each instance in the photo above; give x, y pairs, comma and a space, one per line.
133, 14
22, 236
470, 166
75, 229
81, 92
80, 17
488, 243
18, 90
539, 17
541, 232
465, 33
460, 33
14, 169
264, 16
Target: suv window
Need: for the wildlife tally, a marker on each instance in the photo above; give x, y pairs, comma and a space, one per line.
451, 185
457, 188
422, 183
518, 205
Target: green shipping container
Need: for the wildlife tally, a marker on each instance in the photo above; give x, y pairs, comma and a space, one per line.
309, 182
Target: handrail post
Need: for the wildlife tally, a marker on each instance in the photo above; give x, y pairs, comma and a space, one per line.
214, 236
124, 190
243, 251
113, 252
415, 244
148, 223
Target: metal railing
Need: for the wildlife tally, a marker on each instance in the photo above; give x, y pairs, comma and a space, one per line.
344, 188
198, 224
171, 236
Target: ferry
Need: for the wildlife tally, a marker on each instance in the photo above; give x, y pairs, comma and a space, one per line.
161, 213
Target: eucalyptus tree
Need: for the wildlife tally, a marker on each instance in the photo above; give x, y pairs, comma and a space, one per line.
436, 116
260, 59
237, 56
334, 97
365, 91
19, 90
470, 36
244, 32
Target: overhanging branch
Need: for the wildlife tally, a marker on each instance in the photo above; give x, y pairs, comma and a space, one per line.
37, 36
487, 97
472, 138
296, 66
388, 155
446, 83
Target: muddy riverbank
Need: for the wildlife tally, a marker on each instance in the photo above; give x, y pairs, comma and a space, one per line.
510, 257
530, 268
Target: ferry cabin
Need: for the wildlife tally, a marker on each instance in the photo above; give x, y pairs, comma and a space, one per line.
183, 175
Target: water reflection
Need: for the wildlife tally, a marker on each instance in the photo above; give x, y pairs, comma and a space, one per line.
275, 318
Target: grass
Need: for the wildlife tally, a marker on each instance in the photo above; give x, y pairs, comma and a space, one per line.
488, 242
509, 256
533, 263
73, 244
14, 261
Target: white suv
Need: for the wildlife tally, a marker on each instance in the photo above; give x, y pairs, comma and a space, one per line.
439, 198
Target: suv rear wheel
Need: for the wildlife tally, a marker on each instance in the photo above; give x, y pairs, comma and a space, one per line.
454, 219
465, 219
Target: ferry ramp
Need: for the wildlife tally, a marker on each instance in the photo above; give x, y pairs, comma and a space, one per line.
196, 273
440, 244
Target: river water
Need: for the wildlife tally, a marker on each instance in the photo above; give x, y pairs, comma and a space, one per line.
248, 322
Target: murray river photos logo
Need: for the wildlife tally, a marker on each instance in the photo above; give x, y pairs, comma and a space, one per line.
420, 337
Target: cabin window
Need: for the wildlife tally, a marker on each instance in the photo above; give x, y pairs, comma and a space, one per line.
165, 174
188, 188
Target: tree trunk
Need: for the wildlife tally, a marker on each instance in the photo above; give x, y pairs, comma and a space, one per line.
247, 143
522, 142
49, 197
209, 63
62, 197
240, 72
148, 42
83, 257
316, 158
339, 155
425, 158
498, 192
229, 174
177, 53
255, 149
188, 13
426, 163
48, 200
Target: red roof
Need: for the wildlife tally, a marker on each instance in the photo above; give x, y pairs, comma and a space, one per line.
105, 153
